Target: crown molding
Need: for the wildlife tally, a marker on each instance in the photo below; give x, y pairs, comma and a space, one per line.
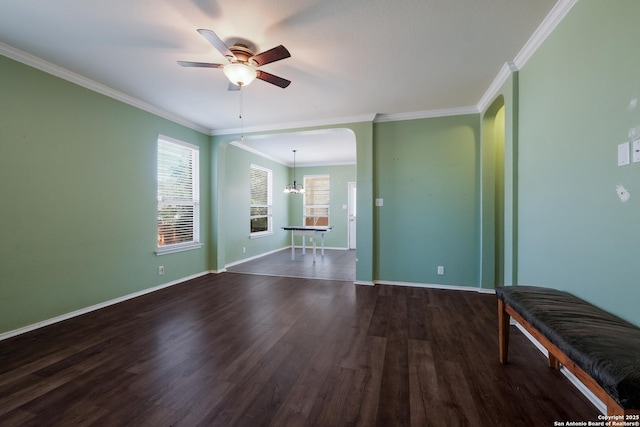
543, 31
376, 118
241, 146
70, 76
492, 91
295, 125
546, 27
427, 114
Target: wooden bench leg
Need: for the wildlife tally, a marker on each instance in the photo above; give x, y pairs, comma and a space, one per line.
503, 331
553, 361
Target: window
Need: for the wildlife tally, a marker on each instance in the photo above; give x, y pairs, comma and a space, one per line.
261, 209
316, 200
178, 196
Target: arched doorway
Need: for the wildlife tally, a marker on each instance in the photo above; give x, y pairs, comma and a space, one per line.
492, 243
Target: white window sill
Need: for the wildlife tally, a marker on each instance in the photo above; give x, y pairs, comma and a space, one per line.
261, 234
180, 247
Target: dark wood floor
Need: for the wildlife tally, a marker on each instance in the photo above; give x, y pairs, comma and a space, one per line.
236, 349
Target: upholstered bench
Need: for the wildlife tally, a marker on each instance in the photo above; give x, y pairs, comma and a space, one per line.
601, 350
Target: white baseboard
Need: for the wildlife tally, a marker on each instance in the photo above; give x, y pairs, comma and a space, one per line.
358, 282
240, 261
437, 286
572, 378
318, 248
308, 247
34, 326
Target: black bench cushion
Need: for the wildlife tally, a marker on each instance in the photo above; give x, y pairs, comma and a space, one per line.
604, 346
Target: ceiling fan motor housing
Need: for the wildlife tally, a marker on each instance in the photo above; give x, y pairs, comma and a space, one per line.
242, 53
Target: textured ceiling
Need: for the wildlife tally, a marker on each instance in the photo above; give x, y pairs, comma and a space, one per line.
351, 59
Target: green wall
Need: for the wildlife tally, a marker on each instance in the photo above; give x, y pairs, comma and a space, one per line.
426, 172
340, 176
237, 201
78, 191
577, 97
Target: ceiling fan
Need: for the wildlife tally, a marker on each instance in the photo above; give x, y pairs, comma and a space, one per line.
243, 64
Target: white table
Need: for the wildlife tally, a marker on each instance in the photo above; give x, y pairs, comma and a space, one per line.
302, 230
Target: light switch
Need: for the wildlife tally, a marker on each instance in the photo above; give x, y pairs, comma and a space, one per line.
379, 202
636, 151
623, 154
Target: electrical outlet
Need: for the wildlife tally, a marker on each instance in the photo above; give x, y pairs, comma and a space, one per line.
244, 250
161, 270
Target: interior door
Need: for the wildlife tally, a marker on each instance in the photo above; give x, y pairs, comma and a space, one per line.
351, 208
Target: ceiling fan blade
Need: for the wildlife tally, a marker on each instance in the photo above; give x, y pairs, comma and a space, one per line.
217, 43
271, 55
200, 64
233, 87
274, 80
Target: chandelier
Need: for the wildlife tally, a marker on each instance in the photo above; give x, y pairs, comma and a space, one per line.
294, 188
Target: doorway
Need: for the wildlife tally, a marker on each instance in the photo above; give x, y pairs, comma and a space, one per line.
493, 237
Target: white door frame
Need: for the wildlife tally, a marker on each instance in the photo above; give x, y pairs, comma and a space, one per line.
351, 215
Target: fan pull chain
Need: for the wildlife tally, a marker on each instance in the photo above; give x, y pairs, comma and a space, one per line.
240, 116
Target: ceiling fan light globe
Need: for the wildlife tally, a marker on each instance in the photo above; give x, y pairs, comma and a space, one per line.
240, 74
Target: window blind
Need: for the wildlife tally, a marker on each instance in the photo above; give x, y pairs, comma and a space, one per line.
316, 200
178, 193
260, 209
